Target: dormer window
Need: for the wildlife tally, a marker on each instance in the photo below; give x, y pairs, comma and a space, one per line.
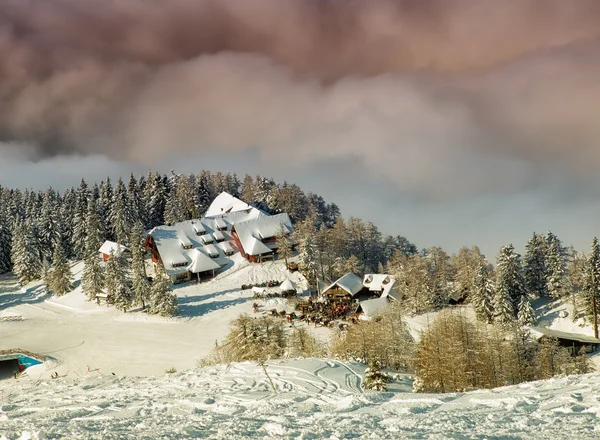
186, 246
386, 280
181, 264
199, 228
368, 279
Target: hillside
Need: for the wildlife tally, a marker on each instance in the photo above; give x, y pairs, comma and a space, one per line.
315, 399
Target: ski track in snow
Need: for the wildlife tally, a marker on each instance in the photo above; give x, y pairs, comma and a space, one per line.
316, 398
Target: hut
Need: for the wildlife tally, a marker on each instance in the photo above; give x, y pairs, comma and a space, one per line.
110, 246
573, 341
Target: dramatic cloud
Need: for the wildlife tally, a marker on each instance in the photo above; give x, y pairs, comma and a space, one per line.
445, 98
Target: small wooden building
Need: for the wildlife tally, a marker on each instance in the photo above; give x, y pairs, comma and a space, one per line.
573, 341
116, 248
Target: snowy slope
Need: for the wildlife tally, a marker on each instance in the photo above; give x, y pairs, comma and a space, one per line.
315, 399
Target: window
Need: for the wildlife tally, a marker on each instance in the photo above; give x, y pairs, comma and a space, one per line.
181, 264
186, 246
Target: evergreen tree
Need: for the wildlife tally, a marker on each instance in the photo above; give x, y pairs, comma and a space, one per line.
5, 240
510, 283
61, 276
352, 264
78, 235
141, 286
525, 314
374, 378
116, 282
157, 197
284, 247
120, 215
93, 275
556, 264
535, 270
27, 265
482, 296
591, 288
163, 302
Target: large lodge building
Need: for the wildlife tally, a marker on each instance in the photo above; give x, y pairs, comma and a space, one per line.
199, 248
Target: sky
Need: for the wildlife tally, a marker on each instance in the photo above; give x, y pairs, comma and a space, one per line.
449, 122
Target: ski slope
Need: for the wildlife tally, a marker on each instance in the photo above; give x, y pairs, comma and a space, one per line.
315, 398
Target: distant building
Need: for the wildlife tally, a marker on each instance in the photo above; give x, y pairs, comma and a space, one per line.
199, 248
372, 292
573, 341
116, 248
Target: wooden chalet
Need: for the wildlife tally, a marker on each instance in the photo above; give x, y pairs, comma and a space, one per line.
257, 238
116, 248
573, 341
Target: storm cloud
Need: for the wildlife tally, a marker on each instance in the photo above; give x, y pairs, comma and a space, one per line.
444, 98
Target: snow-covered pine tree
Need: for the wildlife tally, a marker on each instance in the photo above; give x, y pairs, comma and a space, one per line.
204, 196
5, 239
93, 274
284, 247
163, 301
374, 378
27, 265
352, 264
556, 266
120, 215
174, 210
78, 236
156, 198
482, 296
510, 282
141, 285
536, 273
525, 314
575, 280
134, 200
116, 282
591, 287
60, 279
103, 207
302, 343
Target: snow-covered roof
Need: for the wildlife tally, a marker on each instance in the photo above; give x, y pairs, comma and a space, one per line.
109, 246
201, 262
287, 285
211, 250
218, 235
380, 282
251, 232
225, 203
221, 223
538, 332
350, 282
169, 240
227, 246
372, 307
207, 238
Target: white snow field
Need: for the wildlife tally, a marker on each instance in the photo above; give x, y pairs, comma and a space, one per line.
315, 399
112, 382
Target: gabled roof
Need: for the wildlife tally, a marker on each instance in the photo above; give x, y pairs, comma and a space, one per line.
251, 232
211, 250
538, 332
225, 203
350, 283
201, 262
109, 246
372, 307
287, 285
380, 282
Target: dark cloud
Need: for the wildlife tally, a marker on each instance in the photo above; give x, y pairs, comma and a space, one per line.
444, 98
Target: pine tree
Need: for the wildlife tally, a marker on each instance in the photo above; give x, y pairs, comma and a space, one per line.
510, 283
591, 288
352, 264
482, 297
116, 282
25, 256
536, 273
141, 286
61, 276
120, 215
284, 247
525, 314
93, 275
374, 378
163, 302
556, 264
5, 241
78, 236
303, 344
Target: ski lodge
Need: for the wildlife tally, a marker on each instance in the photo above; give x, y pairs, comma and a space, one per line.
372, 293
198, 249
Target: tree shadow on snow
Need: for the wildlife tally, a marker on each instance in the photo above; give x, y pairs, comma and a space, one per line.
11, 295
192, 308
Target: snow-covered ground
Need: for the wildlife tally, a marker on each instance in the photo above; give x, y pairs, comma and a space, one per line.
81, 334
112, 381
315, 399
